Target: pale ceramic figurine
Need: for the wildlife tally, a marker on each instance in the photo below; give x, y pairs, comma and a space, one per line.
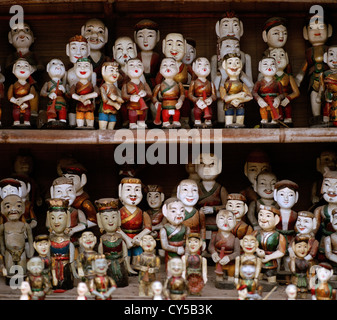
264, 187
25, 290
22, 94
212, 195
78, 174
188, 194
96, 33
63, 188
272, 244
291, 292
157, 290
135, 93
82, 291
101, 285
169, 95
290, 88
236, 202
110, 95
14, 233
174, 46
330, 242
202, 92
76, 48
87, 242
175, 286
224, 247
135, 223
323, 213
84, 92
62, 250
268, 92
148, 265
248, 264
55, 90
327, 86
39, 282
195, 266
111, 243
234, 92
299, 266
323, 289
155, 198
173, 233
256, 161
42, 247
317, 31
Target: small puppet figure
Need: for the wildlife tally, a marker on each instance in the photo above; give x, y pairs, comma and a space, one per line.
169, 95
175, 286
26, 292
55, 90
323, 289
135, 223
82, 291
330, 243
86, 255
13, 235
234, 92
202, 92
111, 243
248, 264
148, 264
22, 94
291, 292
188, 194
299, 265
62, 250
173, 233
157, 290
101, 285
110, 96
317, 31
42, 247
268, 92
328, 88
264, 187
195, 266
272, 244
135, 93
39, 282
84, 92
236, 202
224, 248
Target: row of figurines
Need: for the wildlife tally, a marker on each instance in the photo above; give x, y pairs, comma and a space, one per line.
172, 89
283, 237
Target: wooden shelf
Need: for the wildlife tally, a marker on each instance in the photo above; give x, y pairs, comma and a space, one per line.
149, 136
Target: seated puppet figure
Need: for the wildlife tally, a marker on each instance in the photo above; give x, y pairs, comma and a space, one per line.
55, 90
330, 243
268, 92
110, 95
22, 94
272, 244
264, 186
135, 93
169, 95
84, 92
234, 92
42, 247
323, 289
111, 243
202, 92
173, 233
236, 202
224, 248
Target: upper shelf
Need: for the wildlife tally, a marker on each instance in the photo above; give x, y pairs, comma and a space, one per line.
149, 136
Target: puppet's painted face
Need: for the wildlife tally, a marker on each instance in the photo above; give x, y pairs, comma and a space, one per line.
277, 36
146, 39
148, 243
233, 66
135, 68
175, 213
124, 50
266, 220
56, 69
169, 68
174, 46
202, 67
78, 50
190, 55
58, 221
131, 194
12, 207
22, 36
329, 190
83, 70
238, 207
268, 67
110, 220
229, 46
95, 33
88, 240
317, 32
22, 69
110, 73
154, 199
249, 244
304, 225
188, 193
280, 57
225, 220
286, 198
265, 185
42, 247
65, 192
230, 27
332, 58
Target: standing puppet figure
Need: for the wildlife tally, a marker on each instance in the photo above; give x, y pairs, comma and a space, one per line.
202, 92
317, 31
55, 90
234, 92
323, 289
22, 94
169, 95
86, 255
330, 243
175, 286
42, 247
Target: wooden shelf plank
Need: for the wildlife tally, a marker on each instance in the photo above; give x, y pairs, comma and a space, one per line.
149, 136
